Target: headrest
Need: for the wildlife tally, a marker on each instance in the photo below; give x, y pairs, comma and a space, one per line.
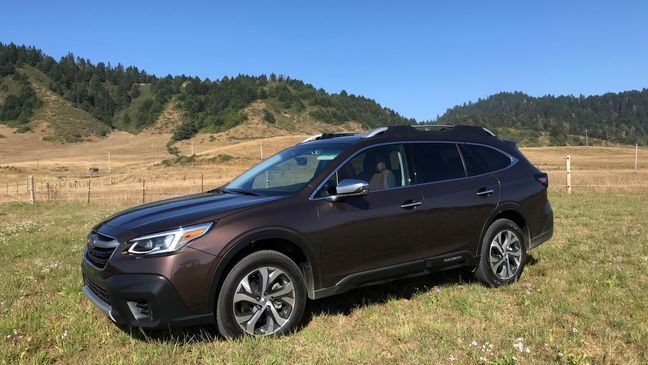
381, 167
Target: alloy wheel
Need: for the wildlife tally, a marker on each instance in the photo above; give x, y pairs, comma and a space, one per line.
505, 254
263, 301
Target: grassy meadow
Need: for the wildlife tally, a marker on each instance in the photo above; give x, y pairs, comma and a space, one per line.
582, 299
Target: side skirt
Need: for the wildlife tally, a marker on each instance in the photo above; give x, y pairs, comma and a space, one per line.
398, 271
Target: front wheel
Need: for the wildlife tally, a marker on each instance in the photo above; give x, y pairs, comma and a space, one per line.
263, 294
503, 254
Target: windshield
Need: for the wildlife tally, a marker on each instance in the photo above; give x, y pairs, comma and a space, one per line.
285, 172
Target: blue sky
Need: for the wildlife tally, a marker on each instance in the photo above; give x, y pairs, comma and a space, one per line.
417, 57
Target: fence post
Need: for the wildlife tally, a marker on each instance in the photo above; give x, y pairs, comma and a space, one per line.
88, 199
143, 191
49, 196
636, 154
202, 182
569, 184
32, 193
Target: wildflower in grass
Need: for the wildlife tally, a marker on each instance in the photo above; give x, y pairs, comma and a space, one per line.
436, 290
452, 358
473, 343
519, 345
64, 335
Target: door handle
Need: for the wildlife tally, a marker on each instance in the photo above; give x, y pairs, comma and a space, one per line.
484, 192
410, 204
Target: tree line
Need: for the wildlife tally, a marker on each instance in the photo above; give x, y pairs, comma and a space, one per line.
618, 117
104, 90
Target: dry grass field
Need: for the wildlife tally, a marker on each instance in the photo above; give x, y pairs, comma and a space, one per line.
61, 170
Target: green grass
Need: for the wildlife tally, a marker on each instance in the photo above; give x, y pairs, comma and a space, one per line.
582, 299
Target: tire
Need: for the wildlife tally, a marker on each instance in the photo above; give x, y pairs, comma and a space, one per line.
247, 307
497, 267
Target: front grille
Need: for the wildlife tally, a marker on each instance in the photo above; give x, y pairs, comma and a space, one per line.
98, 291
99, 249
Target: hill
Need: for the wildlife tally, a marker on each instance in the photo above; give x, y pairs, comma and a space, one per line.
616, 117
74, 98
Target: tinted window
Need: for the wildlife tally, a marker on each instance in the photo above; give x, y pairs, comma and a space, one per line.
383, 167
491, 158
474, 164
436, 162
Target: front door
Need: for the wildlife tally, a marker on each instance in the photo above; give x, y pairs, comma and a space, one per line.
371, 237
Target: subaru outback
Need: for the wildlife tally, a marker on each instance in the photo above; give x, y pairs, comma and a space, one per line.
330, 214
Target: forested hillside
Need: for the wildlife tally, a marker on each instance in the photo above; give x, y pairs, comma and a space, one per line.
127, 98
618, 117
89, 98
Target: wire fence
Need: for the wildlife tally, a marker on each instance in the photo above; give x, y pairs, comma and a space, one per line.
590, 171
124, 188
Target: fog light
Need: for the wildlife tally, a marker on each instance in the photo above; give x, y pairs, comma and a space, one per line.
140, 310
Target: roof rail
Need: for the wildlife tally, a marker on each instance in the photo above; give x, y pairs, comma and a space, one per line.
374, 132
408, 130
489, 131
317, 137
312, 138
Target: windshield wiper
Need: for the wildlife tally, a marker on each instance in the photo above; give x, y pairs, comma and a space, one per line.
239, 191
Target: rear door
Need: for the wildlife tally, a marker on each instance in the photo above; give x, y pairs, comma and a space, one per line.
456, 203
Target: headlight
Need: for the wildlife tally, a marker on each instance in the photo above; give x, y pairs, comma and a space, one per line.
169, 241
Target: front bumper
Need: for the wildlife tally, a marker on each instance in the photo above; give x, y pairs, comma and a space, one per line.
140, 300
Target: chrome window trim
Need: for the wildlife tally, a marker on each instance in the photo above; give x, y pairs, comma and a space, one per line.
514, 161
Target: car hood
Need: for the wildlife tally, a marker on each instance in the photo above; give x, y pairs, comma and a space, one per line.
181, 211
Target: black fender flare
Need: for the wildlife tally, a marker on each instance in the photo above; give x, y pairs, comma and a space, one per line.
503, 207
245, 240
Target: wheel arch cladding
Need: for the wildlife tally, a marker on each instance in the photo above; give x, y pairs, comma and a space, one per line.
279, 241
516, 217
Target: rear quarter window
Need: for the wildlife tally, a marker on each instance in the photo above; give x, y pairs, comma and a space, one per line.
482, 159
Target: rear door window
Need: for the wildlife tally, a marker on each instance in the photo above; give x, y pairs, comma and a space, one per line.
490, 158
436, 162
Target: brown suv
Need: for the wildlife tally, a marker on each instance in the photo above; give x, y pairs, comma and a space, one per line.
332, 213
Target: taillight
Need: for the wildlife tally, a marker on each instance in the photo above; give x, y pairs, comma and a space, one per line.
543, 179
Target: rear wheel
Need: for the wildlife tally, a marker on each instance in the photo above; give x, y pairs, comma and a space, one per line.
263, 294
503, 254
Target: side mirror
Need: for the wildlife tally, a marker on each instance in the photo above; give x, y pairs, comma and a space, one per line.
349, 187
